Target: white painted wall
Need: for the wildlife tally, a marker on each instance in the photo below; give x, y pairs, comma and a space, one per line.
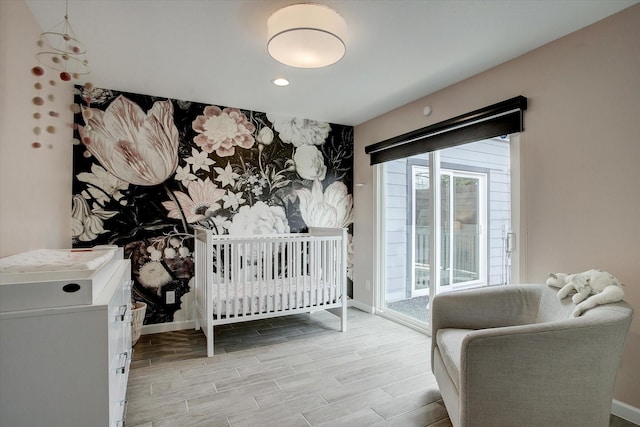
35, 184
579, 158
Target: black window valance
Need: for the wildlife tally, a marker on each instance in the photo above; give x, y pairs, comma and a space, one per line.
498, 119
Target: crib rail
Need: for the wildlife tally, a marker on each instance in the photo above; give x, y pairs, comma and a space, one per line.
241, 278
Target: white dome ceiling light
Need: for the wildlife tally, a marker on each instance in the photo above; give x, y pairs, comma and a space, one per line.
306, 36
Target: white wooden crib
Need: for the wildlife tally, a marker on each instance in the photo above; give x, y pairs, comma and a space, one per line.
243, 278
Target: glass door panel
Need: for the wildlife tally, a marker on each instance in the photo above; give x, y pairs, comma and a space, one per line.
421, 227
460, 228
465, 230
445, 228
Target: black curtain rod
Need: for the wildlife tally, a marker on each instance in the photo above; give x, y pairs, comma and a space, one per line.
516, 103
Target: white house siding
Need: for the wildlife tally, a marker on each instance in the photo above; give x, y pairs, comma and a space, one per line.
396, 229
491, 156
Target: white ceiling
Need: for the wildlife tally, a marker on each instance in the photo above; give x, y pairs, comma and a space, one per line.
214, 51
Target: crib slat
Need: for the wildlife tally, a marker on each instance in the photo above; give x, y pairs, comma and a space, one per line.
297, 274
322, 247
292, 274
277, 276
227, 279
332, 293
256, 278
325, 271
271, 275
307, 271
320, 272
242, 270
206, 292
217, 276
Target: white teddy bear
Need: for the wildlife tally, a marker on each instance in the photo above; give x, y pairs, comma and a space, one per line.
604, 287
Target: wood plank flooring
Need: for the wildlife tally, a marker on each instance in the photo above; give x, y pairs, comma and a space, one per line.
290, 371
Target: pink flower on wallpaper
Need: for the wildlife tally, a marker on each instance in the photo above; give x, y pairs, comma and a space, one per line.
222, 130
138, 148
200, 203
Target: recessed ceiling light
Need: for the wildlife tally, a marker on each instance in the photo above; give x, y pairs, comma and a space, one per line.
280, 82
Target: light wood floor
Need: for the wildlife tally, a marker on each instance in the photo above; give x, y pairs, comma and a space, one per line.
289, 371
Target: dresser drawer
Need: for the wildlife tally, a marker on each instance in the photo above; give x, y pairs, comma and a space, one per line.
119, 335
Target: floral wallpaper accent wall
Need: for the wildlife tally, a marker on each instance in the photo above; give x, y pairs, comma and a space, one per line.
148, 169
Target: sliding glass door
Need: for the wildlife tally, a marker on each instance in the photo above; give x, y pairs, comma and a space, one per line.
455, 242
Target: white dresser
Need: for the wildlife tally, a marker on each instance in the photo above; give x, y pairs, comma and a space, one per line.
65, 344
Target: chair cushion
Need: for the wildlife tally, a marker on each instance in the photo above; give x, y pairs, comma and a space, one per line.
449, 343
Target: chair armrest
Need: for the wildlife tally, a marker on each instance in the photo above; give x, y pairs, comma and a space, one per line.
488, 307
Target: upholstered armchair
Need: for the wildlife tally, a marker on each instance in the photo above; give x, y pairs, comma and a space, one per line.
514, 355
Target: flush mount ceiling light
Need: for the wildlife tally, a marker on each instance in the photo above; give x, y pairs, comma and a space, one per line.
306, 36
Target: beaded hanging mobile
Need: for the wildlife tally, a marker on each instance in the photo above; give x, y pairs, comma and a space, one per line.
61, 51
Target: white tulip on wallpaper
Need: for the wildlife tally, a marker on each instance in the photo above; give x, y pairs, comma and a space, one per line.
332, 207
139, 148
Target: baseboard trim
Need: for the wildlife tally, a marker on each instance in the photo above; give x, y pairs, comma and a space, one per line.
168, 327
360, 306
625, 411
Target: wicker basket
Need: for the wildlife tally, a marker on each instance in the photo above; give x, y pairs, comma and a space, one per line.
137, 319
